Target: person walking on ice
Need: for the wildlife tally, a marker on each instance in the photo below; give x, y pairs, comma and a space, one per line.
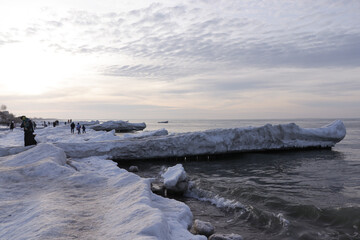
29, 137
78, 128
72, 125
12, 126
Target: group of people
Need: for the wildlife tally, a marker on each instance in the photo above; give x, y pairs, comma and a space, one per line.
29, 126
78, 128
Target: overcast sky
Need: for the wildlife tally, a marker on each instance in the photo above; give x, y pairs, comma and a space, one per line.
112, 59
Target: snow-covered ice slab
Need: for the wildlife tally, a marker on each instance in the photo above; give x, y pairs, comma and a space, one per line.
217, 141
119, 126
43, 196
174, 175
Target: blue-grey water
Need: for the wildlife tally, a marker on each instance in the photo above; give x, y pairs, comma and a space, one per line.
311, 194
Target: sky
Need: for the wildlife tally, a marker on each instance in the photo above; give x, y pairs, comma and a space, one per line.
244, 59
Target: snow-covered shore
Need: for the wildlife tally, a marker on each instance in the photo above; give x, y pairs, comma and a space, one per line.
45, 195
65, 187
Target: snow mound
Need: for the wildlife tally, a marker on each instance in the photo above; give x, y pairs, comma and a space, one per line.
62, 134
86, 123
146, 134
43, 195
12, 138
119, 126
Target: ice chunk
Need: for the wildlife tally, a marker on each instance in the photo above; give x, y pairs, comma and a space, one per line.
174, 175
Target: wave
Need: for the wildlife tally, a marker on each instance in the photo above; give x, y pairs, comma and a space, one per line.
344, 217
207, 196
259, 218
294, 220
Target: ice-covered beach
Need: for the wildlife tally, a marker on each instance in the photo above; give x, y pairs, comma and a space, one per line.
45, 195
66, 187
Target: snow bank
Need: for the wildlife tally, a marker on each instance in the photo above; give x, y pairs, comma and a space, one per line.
43, 195
11, 142
216, 141
146, 134
12, 138
119, 126
62, 134
86, 123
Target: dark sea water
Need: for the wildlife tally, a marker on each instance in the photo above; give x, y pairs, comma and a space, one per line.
310, 194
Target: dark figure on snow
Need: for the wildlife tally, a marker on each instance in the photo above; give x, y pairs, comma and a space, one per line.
72, 125
29, 137
78, 128
83, 128
12, 125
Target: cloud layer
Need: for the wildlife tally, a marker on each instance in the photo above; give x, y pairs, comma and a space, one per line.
230, 51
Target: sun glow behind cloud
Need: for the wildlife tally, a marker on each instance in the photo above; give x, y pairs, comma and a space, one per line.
30, 70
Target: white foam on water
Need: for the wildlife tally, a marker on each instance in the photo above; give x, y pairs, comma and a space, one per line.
207, 196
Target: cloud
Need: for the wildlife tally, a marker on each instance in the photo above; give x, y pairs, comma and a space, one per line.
8, 37
242, 41
55, 23
236, 52
159, 72
243, 34
314, 82
83, 18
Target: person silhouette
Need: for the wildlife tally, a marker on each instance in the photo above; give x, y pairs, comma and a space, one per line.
29, 137
78, 128
72, 125
12, 126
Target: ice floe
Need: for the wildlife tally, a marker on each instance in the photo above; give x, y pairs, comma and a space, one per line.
119, 126
215, 141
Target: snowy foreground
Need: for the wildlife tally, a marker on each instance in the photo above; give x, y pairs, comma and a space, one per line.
65, 188
45, 195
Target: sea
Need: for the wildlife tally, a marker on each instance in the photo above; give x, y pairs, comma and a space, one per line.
302, 194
